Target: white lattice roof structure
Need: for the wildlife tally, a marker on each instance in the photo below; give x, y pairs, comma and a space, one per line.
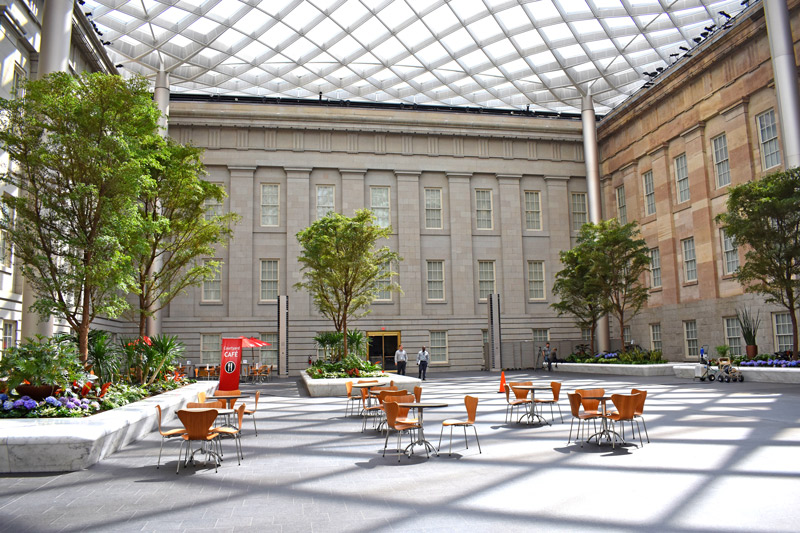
504, 54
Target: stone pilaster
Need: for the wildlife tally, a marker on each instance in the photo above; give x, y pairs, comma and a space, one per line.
513, 267
463, 266
297, 218
408, 234
352, 190
240, 267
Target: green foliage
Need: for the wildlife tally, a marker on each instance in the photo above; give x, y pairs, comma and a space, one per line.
350, 366
104, 356
328, 340
40, 361
120, 394
722, 350
79, 147
174, 229
342, 269
147, 359
635, 356
579, 293
749, 325
764, 216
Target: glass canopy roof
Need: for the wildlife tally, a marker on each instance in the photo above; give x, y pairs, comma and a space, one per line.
504, 54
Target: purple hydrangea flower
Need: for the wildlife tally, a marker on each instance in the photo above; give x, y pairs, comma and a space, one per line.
95, 405
19, 404
63, 400
3, 397
8, 405
30, 404
50, 400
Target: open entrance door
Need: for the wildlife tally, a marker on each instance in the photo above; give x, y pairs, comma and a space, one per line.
382, 347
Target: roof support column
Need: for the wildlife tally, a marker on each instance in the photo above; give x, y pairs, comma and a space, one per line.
592, 159
776, 13
53, 57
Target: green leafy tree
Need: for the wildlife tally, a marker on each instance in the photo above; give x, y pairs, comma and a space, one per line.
78, 147
764, 216
176, 230
579, 293
342, 268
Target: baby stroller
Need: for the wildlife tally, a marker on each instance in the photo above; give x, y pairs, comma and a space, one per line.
727, 371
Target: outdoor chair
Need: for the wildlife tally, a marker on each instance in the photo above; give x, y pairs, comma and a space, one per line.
418, 393
639, 409
591, 406
392, 410
169, 434
201, 397
626, 410
556, 388
575, 407
471, 403
252, 412
520, 398
236, 433
351, 398
198, 429
402, 414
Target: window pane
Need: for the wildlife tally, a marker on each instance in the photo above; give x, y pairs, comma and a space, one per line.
721, 163
536, 280
213, 207
733, 336
622, 211
533, 211
649, 194
210, 349
730, 253
483, 204
541, 335
433, 208
768, 133
682, 178
269, 354
689, 260
435, 280
269, 205
380, 205
325, 202
783, 332
438, 347
655, 337
655, 267
383, 282
269, 279
690, 333
212, 288
485, 279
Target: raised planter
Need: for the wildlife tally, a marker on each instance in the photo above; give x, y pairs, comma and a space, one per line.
319, 388
665, 369
69, 444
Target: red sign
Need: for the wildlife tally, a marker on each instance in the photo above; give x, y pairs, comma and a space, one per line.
230, 364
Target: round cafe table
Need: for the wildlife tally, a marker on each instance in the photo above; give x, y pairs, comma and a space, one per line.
531, 414
605, 429
421, 441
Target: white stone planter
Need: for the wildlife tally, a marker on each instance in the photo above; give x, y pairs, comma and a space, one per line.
318, 388
68, 444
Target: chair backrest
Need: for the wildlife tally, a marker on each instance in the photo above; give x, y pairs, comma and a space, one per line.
556, 386
240, 415
219, 404
471, 403
392, 392
197, 423
590, 405
642, 396
398, 399
364, 397
392, 411
418, 393
158, 408
348, 385
201, 396
258, 395
235, 392
368, 381
520, 394
574, 403
625, 404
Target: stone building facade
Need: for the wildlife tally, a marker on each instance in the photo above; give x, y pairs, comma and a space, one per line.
668, 158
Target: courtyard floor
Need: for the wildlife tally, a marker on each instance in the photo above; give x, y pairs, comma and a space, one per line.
722, 457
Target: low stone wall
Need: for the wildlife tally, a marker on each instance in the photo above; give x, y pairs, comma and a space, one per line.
617, 370
318, 388
69, 444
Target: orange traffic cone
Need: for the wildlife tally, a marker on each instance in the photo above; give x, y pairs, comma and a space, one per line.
502, 382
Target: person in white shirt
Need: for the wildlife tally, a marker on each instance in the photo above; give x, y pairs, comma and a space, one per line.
400, 360
423, 358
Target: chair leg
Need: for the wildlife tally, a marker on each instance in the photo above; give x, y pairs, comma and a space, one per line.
254, 422
465, 438
569, 439
385, 443
158, 465
645, 429
439, 447
180, 451
560, 414
477, 439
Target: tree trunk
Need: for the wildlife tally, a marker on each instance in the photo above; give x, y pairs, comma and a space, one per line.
344, 337
621, 319
142, 320
793, 316
83, 328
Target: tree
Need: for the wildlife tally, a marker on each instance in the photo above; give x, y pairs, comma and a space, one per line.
579, 293
176, 229
602, 274
342, 269
764, 215
78, 147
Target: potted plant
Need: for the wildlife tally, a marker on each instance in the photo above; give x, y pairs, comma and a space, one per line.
749, 325
38, 367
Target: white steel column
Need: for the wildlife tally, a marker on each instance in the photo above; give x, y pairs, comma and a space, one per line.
776, 13
53, 57
592, 159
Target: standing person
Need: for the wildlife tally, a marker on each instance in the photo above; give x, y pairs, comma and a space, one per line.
423, 357
546, 353
400, 359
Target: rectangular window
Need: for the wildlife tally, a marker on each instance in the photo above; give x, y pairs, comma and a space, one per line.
655, 268
541, 335
17, 89
379, 203
536, 280
435, 280
579, 212
655, 337
690, 336
212, 288
382, 283
269, 354
213, 207
721, 163
649, 194
438, 347
5, 246
325, 200
729, 252
210, 349
269, 279
533, 210
689, 260
622, 211
783, 332
483, 207
433, 208
626, 335
733, 336
485, 279
682, 178
768, 135
9, 338
270, 204
586, 334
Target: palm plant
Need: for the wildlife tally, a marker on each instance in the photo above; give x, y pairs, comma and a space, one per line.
749, 325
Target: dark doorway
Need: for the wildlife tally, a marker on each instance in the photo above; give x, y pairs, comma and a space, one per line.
382, 347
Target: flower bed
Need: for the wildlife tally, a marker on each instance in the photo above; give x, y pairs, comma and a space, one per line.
351, 366
629, 357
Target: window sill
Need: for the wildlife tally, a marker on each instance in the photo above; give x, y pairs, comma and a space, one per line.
210, 303
689, 283
267, 302
655, 289
436, 302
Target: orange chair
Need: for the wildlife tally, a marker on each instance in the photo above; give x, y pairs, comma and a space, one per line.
556, 387
236, 433
639, 410
229, 403
626, 410
392, 410
198, 429
398, 398
350, 398
201, 397
218, 404
471, 403
374, 411
252, 412
170, 433
575, 407
382, 394
418, 393
520, 397
591, 406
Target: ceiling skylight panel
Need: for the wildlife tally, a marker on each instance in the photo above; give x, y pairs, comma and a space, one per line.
544, 11
516, 68
324, 32
179, 41
619, 24
121, 18
543, 61
252, 22
425, 77
500, 49
513, 19
587, 28
278, 35
597, 48
396, 14
383, 76
299, 72
223, 10
349, 13
300, 16
414, 35
389, 49
440, 20
432, 53
468, 8
170, 16
557, 33
366, 59
574, 8
252, 51
484, 29
528, 40
299, 49
324, 5
202, 26
458, 40
160, 33
571, 51
228, 39
606, 4
473, 60
371, 31
344, 48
